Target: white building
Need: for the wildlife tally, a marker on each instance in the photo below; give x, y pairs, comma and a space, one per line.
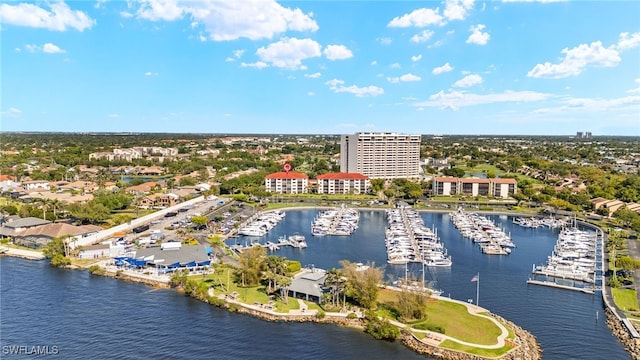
381, 155
343, 183
287, 183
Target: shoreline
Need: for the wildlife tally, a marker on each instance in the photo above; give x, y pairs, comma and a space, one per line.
527, 346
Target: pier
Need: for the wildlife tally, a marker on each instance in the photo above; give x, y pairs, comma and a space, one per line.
560, 286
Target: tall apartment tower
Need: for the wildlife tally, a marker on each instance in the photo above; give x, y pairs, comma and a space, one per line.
381, 155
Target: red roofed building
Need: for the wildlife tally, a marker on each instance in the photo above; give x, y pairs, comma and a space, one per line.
343, 183
503, 188
287, 183
445, 186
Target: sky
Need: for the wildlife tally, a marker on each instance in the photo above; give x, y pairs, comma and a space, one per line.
458, 67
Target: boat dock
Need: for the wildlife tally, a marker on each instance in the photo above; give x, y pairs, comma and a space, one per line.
560, 286
491, 239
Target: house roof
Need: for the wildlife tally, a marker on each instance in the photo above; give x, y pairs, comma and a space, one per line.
342, 176
445, 179
474, 180
26, 222
183, 255
309, 283
54, 230
503, 181
287, 175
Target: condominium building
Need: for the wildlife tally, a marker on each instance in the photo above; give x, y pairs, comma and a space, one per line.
343, 183
496, 187
287, 183
381, 155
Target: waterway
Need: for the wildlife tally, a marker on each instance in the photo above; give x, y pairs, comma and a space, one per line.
87, 316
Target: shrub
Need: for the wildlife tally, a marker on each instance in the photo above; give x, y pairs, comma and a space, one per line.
59, 260
382, 329
352, 315
96, 270
320, 314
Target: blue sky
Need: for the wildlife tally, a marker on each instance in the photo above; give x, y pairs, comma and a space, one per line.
321, 67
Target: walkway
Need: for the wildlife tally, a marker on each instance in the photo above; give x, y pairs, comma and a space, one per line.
434, 338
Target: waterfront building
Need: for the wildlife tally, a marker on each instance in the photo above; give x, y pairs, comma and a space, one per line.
474, 187
343, 183
445, 186
381, 155
287, 182
496, 187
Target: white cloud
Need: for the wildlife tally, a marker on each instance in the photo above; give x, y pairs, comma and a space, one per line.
442, 69
395, 66
540, 1
257, 65
637, 81
313, 76
425, 35
385, 40
12, 112
337, 52
311, 93
238, 53
374, 63
416, 57
251, 19
576, 60
126, 14
113, 116
47, 48
418, 18
59, 18
337, 86
477, 36
288, 53
149, 73
50, 48
457, 99
457, 9
468, 81
17, 50
588, 105
628, 41
404, 78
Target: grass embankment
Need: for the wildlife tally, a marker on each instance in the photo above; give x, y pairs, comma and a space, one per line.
451, 317
626, 299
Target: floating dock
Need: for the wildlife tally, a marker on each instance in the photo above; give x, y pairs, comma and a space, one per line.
560, 286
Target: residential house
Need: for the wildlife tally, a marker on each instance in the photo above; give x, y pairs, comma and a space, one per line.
38, 236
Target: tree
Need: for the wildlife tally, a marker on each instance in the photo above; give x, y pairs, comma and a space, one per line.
362, 285
57, 250
252, 263
411, 304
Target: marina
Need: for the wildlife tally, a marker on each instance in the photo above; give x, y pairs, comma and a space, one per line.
407, 239
573, 259
260, 224
536, 222
491, 239
342, 221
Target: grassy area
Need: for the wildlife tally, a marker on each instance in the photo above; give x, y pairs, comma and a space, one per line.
474, 350
452, 317
626, 299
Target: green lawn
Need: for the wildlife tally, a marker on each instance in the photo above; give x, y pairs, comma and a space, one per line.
474, 350
626, 299
453, 318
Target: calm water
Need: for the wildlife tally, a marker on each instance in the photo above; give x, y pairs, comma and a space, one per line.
94, 317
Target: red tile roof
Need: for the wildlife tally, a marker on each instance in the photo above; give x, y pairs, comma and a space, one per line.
342, 176
503, 181
287, 175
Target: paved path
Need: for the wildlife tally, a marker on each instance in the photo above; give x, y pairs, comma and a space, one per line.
437, 338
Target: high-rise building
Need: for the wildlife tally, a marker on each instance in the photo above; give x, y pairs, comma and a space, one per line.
381, 155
